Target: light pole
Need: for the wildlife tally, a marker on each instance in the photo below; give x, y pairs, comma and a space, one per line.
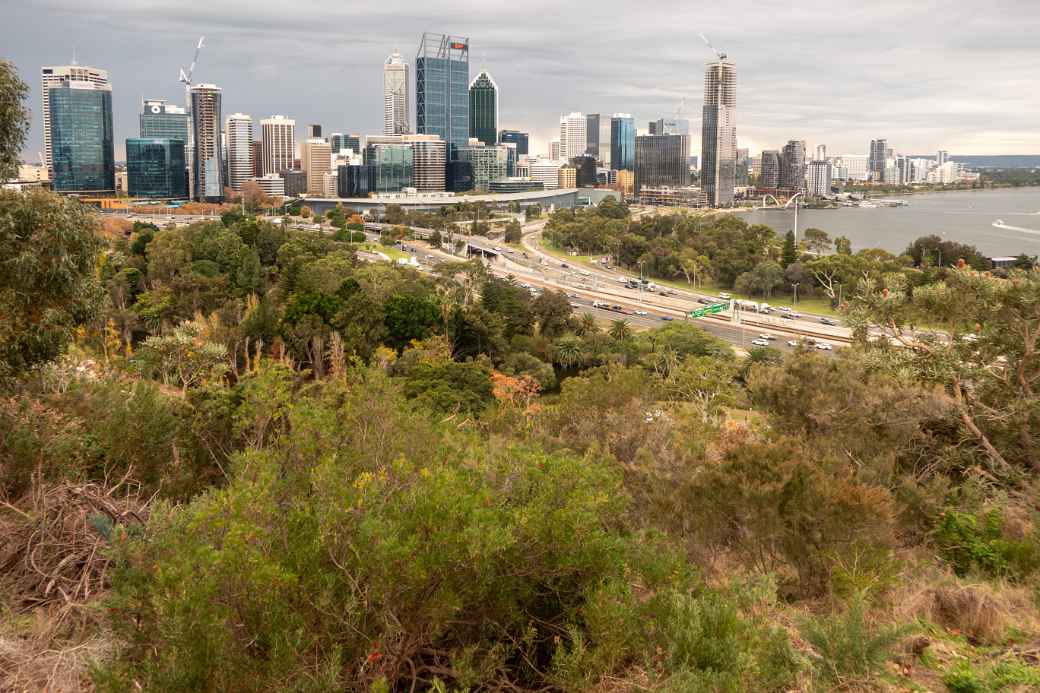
794, 199
796, 292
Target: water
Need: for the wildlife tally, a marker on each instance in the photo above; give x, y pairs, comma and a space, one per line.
966, 217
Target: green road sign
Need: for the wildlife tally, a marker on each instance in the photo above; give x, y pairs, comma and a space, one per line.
708, 310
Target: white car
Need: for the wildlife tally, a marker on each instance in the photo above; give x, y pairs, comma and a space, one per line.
642, 312
796, 316
823, 346
792, 343
725, 296
766, 337
760, 342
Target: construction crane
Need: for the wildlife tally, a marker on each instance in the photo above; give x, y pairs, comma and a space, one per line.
680, 110
185, 79
718, 54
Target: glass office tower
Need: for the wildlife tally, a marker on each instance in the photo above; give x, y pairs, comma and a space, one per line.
161, 119
719, 133
442, 89
483, 108
155, 168
82, 152
390, 167
622, 142
517, 137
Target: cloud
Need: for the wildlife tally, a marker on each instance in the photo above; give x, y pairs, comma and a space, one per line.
931, 74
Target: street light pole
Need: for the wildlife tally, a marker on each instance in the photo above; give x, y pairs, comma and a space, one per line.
796, 293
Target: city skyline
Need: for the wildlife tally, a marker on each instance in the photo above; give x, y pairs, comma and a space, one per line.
873, 84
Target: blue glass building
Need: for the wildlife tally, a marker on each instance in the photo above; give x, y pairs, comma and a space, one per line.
82, 151
390, 167
155, 167
622, 142
161, 119
520, 138
442, 89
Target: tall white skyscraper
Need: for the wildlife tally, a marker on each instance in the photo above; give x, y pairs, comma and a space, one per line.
573, 135
395, 95
53, 76
719, 133
239, 131
278, 137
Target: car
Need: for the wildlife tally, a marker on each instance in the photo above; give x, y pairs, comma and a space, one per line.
786, 316
705, 301
667, 318
725, 296
792, 343
824, 346
642, 312
615, 307
760, 342
784, 309
564, 265
828, 321
766, 337
796, 316
498, 249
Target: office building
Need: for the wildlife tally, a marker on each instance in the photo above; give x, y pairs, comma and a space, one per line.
80, 136
584, 170
876, 163
395, 95
278, 135
329, 184
295, 182
442, 89
155, 167
272, 184
517, 137
483, 108
160, 119
573, 135
661, 161
459, 177
819, 178
238, 130
545, 171
490, 163
514, 185
511, 158
256, 153
429, 161
314, 132
719, 133
338, 142
207, 172
821, 152
316, 161
568, 177
622, 141
352, 181
769, 176
592, 121
56, 75
390, 166
670, 126
555, 150
792, 166
121, 181
942, 157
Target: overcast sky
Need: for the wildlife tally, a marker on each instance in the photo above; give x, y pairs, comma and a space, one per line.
929, 74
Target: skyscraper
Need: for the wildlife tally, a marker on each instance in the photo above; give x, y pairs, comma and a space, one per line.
239, 130
876, 163
792, 166
819, 178
155, 167
56, 75
483, 108
490, 163
572, 135
429, 160
207, 177
80, 136
661, 161
314, 131
395, 95
316, 160
770, 173
442, 89
256, 149
592, 134
338, 141
278, 135
160, 119
719, 133
622, 141
517, 137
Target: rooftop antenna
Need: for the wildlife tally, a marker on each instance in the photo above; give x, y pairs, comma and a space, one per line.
718, 54
74, 61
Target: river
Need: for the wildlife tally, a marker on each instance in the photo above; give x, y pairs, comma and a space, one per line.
963, 216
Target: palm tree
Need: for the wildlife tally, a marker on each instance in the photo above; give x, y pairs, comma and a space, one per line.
567, 351
587, 325
620, 331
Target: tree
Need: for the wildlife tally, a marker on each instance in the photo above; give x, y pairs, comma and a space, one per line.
553, 311
532, 212
790, 253
183, 357
254, 196
49, 246
306, 212
513, 232
568, 351
620, 331
816, 240
842, 245
410, 317
14, 119
762, 280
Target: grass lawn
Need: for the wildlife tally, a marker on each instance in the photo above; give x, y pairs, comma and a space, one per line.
392, 252
820, 305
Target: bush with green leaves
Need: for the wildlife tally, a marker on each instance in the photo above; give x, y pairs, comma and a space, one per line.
849, 649
977, 543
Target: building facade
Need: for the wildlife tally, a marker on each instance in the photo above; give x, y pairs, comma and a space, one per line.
429, 162
207, 172
517, 137
278, 135
256, 150
545, 171
80, 136
483, 108
573, 135
490, 163
338, 141
719, 133
877, 160
56, 75
819, 178
592, 121
295, 182
792, 166
661, 161
272, 184
316, 161
395, 95
155, 167
622, 142
239, 132
769, 177
442, 89
160, 119
390, 167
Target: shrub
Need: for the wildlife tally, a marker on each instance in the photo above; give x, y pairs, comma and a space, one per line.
977, 543
847, 648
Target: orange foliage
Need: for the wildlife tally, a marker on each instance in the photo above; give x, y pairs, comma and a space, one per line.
114, 227
517, 391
